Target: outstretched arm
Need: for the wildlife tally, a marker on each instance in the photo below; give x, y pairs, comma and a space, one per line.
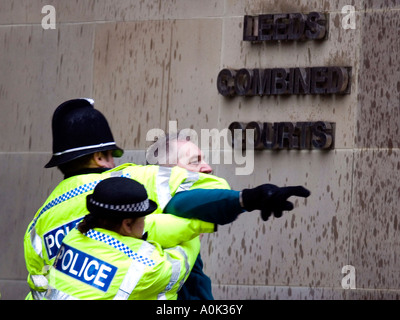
221, 206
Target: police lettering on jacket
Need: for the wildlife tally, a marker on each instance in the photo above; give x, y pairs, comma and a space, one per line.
53, 238
85, 268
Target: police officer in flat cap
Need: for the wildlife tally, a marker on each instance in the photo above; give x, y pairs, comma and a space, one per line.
107, 256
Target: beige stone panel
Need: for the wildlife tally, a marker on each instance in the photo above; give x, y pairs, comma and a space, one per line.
233, 292
22, 11
132, 156
305, 247
40, 68
184, 9
229, 292
379, 5
13, 289
195, 58
250, 7
127, 10
340, 49
378, 112
13, 11
376, 294
27, 61
25, 185
375, 226
131, 69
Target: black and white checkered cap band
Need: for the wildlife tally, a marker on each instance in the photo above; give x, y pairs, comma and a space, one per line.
134, 207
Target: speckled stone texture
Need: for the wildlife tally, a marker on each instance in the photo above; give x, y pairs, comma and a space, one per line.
147, 63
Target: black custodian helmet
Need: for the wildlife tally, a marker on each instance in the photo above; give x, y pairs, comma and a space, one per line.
79, 129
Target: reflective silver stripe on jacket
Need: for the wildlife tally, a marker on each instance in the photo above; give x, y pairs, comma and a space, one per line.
183, 253
130, 281
162, 182
39, 280
54, 294
134, 273
176, 271
38, 295
36, 242
163, 189
189, 181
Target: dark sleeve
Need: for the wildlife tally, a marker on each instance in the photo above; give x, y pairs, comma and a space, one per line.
219, 206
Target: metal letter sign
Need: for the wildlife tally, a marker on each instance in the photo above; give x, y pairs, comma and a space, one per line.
319, 80
285, 26
317, 135
284, 81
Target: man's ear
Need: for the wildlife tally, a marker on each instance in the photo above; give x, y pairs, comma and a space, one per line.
102, 160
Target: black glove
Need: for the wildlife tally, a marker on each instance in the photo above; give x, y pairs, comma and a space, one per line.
271, 199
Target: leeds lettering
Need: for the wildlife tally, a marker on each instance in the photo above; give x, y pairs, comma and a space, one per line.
285, 26
284, 81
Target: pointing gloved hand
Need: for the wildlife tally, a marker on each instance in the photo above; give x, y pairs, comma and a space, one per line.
271, 199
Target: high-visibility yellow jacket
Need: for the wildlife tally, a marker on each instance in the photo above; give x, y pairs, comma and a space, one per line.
103, 264
66, 206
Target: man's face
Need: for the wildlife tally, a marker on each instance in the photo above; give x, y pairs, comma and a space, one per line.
191, 158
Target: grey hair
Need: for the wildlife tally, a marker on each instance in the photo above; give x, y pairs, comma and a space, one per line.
159, 151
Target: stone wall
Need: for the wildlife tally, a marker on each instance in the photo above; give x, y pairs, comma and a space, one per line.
146, 63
